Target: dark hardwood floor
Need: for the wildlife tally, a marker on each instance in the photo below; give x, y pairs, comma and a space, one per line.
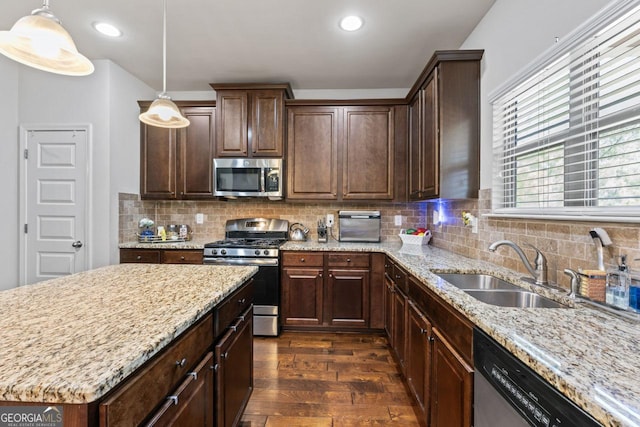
326, 379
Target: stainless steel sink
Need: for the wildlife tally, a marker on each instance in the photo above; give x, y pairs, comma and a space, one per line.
491, 290
521, 299
477, 281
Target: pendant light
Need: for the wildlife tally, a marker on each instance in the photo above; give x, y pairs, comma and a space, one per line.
39, 41
163, 112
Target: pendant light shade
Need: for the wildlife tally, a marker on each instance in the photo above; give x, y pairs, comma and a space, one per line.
39, 41
163, 112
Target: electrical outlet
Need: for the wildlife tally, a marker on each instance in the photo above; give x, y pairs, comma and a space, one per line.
397, 220
436, 217
199, 218
330, 220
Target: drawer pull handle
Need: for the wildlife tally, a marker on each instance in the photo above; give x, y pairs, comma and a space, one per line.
139, 257
194, 375
181, 363
174, 399
348, 259
182, 258
301, 259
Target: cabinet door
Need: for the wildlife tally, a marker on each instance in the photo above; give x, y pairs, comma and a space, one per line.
234, 376
451, 386
231, 123
312, 153
157, 162
266, 128
348, 298
430, 162
302, 297
418, 358
415, 145
195, 154
399, 325
367, 153
388, 308
192, 403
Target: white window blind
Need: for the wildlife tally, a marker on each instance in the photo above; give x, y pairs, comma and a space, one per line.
567, 137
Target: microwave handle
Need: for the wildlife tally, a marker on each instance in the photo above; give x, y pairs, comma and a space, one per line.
263, 180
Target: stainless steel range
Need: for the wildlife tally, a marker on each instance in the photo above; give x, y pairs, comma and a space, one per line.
255, 241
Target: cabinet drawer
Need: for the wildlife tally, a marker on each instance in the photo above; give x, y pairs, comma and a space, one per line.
302, 259
233, 307
348, 259
191, 403
151, 256
182, 256
139, 395
400, 278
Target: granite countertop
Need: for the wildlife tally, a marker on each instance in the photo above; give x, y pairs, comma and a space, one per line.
72, 339
589, 355
168, 244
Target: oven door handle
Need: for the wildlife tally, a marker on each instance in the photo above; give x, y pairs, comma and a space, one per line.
241, 261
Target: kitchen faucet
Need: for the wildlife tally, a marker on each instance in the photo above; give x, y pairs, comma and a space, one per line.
539, 273
600, 239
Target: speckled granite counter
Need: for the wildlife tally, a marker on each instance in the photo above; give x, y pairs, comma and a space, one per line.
591, 356
72, 339
169, 244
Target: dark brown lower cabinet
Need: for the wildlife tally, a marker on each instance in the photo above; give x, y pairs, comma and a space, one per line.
398, 325
234, 375
348, 297
388, 308
451, 386
192, 403
302, 296
418, 360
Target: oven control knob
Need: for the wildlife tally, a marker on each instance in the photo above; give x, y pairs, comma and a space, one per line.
257, 252
266, 251
214, 252
223, 252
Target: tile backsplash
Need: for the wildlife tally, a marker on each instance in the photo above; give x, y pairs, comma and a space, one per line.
566, 244
216, 213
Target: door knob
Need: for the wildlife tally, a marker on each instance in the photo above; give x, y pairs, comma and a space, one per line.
77, 244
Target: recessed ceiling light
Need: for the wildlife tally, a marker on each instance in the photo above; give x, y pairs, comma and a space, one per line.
107, 29
351, 23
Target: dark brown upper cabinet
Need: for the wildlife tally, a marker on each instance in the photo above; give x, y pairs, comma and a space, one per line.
177, 163
444, 128
250, 119
345, 152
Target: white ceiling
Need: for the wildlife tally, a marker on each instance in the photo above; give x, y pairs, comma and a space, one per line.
296, 41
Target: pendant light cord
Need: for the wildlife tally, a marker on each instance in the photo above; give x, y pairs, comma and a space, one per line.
164, 48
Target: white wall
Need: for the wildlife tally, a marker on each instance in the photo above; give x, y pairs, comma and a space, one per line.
513, 33
9, 172
124, 137
107, 101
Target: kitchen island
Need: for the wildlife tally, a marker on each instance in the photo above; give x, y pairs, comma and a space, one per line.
73, 339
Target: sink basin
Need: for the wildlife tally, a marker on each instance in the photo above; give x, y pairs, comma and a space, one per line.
521, 299
477, 281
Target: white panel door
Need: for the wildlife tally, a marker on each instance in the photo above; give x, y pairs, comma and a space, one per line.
56, 185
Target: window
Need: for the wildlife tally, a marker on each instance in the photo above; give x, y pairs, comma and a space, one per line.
567, 136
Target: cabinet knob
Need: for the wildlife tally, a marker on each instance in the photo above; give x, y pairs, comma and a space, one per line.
301, 259
194, 375
174, 399
423, 331
139, 257
181, 363
398, 276
320, 275
386, 266
182, 258
242, 301
348, 259
431, 339
330, 275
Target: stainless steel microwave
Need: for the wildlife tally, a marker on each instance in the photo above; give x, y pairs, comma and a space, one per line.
247, 178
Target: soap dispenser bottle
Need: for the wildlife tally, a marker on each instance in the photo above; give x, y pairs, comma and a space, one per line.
621, 293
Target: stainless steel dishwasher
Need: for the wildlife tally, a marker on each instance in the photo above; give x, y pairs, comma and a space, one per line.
507, 393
